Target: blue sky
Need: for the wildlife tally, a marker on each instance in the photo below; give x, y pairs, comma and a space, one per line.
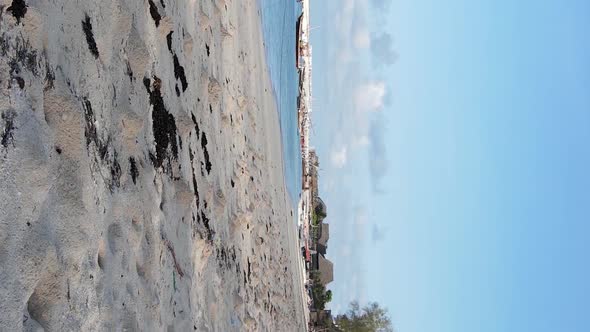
454, 142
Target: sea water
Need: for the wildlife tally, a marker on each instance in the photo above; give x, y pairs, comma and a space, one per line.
279, 18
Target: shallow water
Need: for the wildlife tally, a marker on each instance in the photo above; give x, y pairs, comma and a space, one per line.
278, 25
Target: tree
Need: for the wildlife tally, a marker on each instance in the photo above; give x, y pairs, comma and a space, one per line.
328, 296
371, 318
320, 295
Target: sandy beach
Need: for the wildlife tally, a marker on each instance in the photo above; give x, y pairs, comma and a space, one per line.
141, 170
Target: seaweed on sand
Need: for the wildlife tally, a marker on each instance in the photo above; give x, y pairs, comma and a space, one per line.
206, 153
7, 136
87, 27
163, 125
18, 8
154, 12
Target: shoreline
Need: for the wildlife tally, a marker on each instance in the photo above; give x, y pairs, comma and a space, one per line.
274, 55
294, 243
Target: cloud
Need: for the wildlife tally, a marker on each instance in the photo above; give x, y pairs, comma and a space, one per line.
362, 38
339, 157
378, 163
382, 49
350, 31
348, 5
381, 4
370, 96
360, 141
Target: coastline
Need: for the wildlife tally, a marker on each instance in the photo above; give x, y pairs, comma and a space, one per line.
302, 311
278, 27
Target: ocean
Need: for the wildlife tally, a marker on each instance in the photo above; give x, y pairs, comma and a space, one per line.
279, 18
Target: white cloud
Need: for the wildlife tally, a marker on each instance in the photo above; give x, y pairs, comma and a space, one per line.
361, 141
369, 96
339, 157
362, 39
348, 5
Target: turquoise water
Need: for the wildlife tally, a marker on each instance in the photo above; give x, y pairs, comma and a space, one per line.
278, 24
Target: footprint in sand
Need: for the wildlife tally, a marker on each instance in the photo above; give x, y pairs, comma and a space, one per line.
137, 54
214, 90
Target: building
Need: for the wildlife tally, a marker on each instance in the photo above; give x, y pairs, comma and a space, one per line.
319, 261
324, 235
326, 269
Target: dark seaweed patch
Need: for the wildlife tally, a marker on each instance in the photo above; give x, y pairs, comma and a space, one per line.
133, 170
20, 81
207, 226
87, 27
249, 269
177, 90
4, 46
49, 77
195, 185
90, 129
154, 12
7, 134
18, 8
204, 141
129, 72
102, 154
207, 48
91, 133
169, 41
115, 173
206, 153
226, 257
164, 126
179, 73
196, 124
162, 3
24, 56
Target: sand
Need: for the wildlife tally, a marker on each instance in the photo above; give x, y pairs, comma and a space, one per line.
141, 171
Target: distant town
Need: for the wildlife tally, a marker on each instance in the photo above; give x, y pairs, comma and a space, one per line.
314, 231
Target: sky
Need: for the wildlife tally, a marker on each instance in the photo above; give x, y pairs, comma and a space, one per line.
454, 144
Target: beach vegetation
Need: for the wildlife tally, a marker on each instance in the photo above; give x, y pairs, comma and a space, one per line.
315, 219
370, 318
320, 295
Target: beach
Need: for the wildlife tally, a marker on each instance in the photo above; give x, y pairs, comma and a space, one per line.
141, 169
